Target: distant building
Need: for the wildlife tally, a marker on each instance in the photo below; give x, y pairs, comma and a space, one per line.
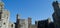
23, 23
44, 24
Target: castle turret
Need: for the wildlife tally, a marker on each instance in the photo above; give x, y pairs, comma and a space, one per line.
56, 14
17, 21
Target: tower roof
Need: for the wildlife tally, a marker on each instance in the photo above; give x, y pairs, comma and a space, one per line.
18, 16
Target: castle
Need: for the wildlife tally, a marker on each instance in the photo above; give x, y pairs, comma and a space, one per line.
26, 23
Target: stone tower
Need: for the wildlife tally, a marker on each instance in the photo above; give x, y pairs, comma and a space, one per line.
4, 16
17, 21
56, 14
29, 22
1, 8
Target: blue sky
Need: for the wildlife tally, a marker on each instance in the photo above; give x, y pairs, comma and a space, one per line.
36, 9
